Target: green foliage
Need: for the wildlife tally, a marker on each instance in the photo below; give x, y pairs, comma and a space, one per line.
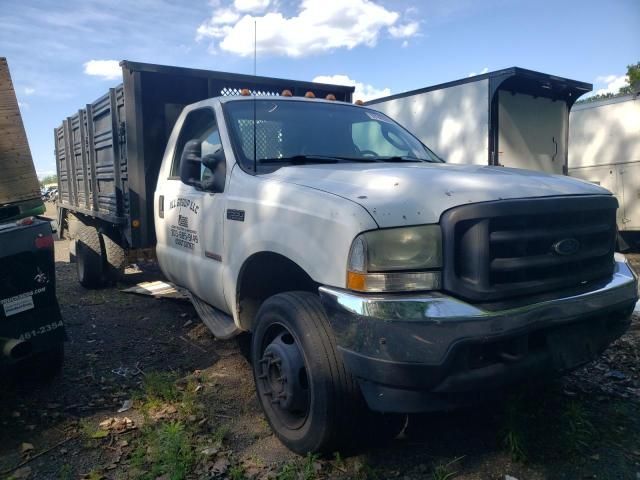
445, 471
65, 472
236, 472
165, 450
546, 425
633, 81
579, 431
300, 469
633, 73
220, 434
160, 386
49, 179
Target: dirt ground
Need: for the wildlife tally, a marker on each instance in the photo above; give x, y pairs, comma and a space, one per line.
190, 410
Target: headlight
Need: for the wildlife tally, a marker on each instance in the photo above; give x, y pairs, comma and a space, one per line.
396, 259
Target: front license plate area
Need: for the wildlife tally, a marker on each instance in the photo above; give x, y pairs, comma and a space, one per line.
574, 345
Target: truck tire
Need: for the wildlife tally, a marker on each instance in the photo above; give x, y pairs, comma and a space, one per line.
73, 225
89, 262
115, 257
311, 401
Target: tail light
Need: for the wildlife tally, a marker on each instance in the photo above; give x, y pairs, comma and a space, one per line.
44, 241
23, 222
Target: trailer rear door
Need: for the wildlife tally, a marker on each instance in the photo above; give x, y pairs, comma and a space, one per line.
532, 132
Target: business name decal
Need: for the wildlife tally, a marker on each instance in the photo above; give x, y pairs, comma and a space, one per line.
183, 233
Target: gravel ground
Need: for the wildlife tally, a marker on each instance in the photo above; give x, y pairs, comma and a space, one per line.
201, 413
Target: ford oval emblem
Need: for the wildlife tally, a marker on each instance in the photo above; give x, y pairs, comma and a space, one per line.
566, 246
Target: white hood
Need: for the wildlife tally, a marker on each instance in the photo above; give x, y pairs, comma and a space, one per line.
418, 193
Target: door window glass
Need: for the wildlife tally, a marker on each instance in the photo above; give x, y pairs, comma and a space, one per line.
199, 125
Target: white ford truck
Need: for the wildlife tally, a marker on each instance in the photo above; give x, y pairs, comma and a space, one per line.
375, 279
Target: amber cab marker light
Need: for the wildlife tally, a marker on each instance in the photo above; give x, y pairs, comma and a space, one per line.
330, 96
135, 223
310, 95
359, 102
356, 281
286, 93
245, 92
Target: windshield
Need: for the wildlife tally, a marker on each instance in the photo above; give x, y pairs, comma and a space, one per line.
300, 132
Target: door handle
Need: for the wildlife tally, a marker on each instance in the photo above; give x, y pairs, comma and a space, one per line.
161, 206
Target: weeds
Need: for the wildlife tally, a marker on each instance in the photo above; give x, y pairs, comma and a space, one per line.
89, 431
546, 425
300, 469
165, 450
579, 430
513, 432
237, 473
160, 386
444, 471
65, 472
220, 434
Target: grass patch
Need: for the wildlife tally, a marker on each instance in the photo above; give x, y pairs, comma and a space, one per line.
545, 425
579, 430
236, 472
160, 386
65, 472
165, 449
306, 468
90, 431
220, 435
445, 471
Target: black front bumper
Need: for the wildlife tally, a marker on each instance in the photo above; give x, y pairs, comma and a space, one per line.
431, 351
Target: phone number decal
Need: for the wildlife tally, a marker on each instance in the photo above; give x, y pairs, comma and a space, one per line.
184, 237
41, 330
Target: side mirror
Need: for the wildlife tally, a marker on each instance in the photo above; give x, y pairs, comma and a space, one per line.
216, 162
190, 163
212, 160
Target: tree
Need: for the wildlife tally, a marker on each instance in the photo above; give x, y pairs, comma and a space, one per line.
633, 85
49, 179
633, 79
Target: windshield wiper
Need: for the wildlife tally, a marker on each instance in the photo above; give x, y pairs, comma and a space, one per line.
396, 158
304, 159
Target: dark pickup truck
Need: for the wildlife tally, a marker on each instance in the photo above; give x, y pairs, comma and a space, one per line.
31, 327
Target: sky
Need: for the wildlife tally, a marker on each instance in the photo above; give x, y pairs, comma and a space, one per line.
64, 54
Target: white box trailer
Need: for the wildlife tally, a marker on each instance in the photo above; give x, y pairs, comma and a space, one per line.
512, 117
604, 141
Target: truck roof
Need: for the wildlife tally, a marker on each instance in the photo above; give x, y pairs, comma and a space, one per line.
249, 98
514, 79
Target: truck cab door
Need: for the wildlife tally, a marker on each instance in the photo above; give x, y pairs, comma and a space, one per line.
190, 211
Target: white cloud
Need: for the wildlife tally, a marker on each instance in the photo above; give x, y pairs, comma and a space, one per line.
107, 69
318, 26
473, 74
29, 90
251, 6
613, 83
403, 31
363, 91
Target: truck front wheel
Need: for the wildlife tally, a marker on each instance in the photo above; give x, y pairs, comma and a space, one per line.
89, 264
311, 401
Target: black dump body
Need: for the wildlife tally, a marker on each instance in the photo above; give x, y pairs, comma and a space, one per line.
29, 311
109, 153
